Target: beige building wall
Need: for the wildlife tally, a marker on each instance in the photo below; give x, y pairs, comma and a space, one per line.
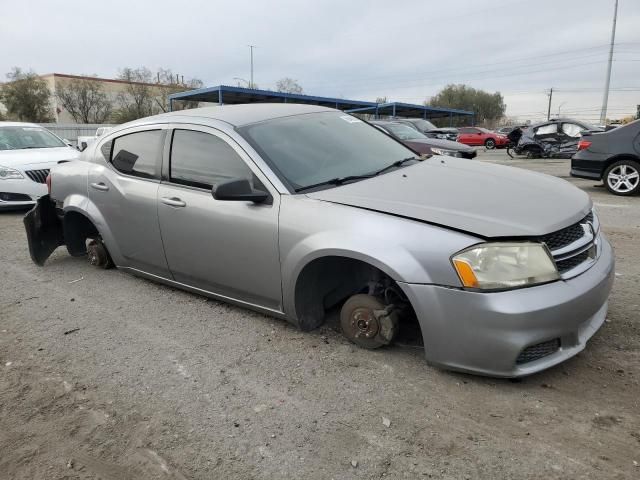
111, 87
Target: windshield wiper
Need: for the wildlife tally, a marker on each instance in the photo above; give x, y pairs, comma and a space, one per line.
335, 181
342, 180
396, 164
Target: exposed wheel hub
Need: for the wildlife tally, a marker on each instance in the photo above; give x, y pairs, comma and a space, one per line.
364, 323
368, 322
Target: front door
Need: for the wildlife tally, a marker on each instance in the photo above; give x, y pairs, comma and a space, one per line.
124, 177
226, 247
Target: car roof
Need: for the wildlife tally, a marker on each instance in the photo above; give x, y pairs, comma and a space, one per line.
237, 115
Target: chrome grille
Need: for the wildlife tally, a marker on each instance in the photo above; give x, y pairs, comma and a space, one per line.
574, 246
572, 262
38, 176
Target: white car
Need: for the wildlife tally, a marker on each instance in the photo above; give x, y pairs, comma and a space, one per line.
85, 141
27, 152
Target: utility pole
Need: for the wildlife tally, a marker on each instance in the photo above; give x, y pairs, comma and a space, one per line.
605, 99
549, 107
251, 47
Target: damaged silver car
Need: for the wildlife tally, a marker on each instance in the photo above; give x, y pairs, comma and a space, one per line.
300, 211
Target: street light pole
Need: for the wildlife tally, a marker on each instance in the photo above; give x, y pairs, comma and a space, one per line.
605, 98
559, 107
251, 47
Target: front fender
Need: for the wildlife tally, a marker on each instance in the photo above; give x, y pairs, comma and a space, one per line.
404, 249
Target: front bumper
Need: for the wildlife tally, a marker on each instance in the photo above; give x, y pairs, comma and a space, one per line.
485, 333
22, 192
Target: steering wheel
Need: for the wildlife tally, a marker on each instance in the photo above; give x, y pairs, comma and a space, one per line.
5, 146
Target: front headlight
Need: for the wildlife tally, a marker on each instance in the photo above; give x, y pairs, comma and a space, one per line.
503, 265
442, 151
7, 173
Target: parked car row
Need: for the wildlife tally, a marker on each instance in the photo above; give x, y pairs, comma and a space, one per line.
423, 144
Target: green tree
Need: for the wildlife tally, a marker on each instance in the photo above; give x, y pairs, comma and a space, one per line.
488, 107
85, 100
26, 97
288, 85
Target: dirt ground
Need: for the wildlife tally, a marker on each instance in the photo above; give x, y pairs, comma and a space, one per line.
109, 376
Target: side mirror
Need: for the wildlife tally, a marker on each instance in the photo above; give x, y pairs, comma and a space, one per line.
238, 189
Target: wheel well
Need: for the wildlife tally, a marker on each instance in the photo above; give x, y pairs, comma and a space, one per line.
327, 282
613, 160
77, 229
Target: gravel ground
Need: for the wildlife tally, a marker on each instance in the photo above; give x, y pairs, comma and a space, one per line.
109, 376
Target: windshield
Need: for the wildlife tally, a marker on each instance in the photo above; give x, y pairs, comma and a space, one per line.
18, 138
308, 149
404, 132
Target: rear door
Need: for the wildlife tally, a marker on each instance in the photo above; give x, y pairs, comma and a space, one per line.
226, 247
569, 137
547, 134
123, 186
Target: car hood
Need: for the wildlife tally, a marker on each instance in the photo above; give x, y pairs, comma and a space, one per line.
34, 156
480, 198
445, 144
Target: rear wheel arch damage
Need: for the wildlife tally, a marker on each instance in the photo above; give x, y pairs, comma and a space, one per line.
371, 306
83, 238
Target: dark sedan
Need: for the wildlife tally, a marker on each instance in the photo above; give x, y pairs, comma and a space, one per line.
612, 156
421, 143
429, 129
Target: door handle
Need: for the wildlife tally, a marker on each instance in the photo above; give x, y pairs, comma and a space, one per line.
173, 202
100, 186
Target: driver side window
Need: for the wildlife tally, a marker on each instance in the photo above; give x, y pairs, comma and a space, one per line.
203, 160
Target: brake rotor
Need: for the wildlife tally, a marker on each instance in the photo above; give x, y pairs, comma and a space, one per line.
367, 321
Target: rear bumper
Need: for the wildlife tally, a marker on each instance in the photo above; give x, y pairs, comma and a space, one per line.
586, 164
486, 333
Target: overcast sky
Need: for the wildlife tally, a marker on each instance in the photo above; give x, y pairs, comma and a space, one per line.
405, 50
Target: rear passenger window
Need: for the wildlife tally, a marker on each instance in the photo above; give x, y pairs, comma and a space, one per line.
203, 160
571, 129
138, 153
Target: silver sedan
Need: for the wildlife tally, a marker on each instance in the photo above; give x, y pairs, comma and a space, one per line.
302, 211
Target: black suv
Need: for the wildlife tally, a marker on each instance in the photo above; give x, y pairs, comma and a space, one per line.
613, 157
553, 138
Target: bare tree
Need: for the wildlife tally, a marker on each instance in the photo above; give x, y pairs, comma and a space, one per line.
26, 97
169, 84
147, 94
288, 85
85, 100
136, 101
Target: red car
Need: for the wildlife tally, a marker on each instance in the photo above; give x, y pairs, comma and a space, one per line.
476, 136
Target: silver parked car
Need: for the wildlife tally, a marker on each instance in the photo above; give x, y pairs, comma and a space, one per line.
301, 211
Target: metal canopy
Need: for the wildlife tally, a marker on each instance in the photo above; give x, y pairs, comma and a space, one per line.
226, 94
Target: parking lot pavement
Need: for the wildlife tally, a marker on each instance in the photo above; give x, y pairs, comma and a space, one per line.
109, 376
